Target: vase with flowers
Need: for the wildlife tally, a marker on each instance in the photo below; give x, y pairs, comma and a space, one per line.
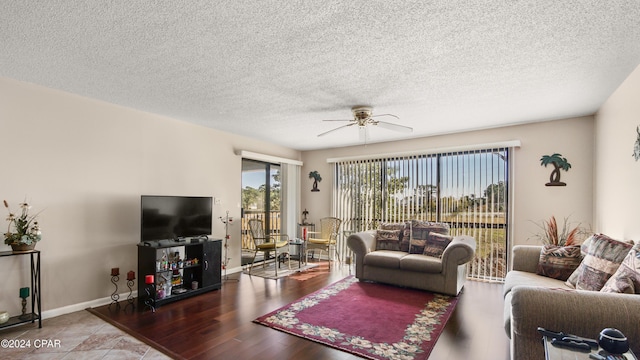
23, 231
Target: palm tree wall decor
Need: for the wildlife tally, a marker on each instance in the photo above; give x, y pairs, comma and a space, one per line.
559, 163
316, 179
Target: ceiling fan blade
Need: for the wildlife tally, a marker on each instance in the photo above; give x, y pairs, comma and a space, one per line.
386, 115
340, 120
394, 127
332, 130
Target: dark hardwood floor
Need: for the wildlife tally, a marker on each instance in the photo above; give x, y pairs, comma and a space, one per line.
218, 324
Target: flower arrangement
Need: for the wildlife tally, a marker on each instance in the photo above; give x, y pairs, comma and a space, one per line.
23, 229
567, 236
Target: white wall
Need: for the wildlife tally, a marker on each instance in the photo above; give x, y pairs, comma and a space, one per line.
617, 173
85, 163
533, 201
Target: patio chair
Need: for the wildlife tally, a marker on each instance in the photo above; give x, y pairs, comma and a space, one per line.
327, 237
267, 243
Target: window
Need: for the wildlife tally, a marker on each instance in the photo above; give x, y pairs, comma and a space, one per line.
467, 189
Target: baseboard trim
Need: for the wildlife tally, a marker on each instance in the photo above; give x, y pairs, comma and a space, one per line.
84, 305
104, 301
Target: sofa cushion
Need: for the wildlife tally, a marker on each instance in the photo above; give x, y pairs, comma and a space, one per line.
559, 262
515, 278
421, 263
388, 239
436, 243
627, 278
384, 258
603, 258
420, 234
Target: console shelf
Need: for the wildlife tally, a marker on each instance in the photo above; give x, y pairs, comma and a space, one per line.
206, 272
36, 305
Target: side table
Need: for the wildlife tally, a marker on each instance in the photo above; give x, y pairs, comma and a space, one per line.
299, 251
36, 305
552, 352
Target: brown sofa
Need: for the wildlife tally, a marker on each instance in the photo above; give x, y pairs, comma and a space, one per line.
533, 301
444, 275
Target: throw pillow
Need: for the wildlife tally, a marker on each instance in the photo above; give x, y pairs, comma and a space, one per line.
559, 262
420, 234
392, 226
436, 243
388, 239
627, 277
603, 258
584, 247
404, 241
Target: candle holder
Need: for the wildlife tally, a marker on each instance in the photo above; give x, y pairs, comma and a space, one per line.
115, 277
24, 294
150, 289
131, 276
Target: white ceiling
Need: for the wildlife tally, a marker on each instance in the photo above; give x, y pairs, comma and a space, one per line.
273, 70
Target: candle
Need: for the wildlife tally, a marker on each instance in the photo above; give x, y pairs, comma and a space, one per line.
148, 279
24, 292
131, 275
115, 271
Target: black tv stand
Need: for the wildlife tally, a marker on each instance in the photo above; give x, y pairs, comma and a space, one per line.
200, 263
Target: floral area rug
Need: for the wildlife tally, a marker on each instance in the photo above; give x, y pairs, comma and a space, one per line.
370, 320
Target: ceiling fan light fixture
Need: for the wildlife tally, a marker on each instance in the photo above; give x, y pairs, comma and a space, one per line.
362, 112
363, 116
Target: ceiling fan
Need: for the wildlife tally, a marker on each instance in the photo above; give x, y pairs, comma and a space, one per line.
362, 116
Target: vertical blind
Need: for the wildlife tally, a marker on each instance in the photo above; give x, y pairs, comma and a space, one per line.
466, 189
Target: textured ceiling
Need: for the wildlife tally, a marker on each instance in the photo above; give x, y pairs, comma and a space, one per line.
273, 70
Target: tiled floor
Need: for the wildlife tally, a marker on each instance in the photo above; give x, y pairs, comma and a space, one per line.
79, 335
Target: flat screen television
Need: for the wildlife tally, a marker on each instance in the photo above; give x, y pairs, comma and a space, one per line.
175, 217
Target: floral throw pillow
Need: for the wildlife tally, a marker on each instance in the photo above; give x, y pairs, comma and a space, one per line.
388, 239
627, 277
436, 243
420, 231
603, 258
403, 239
559, 262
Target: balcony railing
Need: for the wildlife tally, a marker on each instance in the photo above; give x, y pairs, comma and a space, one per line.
274, 222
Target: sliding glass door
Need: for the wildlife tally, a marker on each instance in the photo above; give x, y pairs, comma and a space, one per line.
261, 197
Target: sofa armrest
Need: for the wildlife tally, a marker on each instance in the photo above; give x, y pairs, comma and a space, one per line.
361, 244
460, 250
526, 257
582, 313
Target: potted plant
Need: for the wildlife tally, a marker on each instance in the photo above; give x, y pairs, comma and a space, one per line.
23, 231
569, 235
316, 179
